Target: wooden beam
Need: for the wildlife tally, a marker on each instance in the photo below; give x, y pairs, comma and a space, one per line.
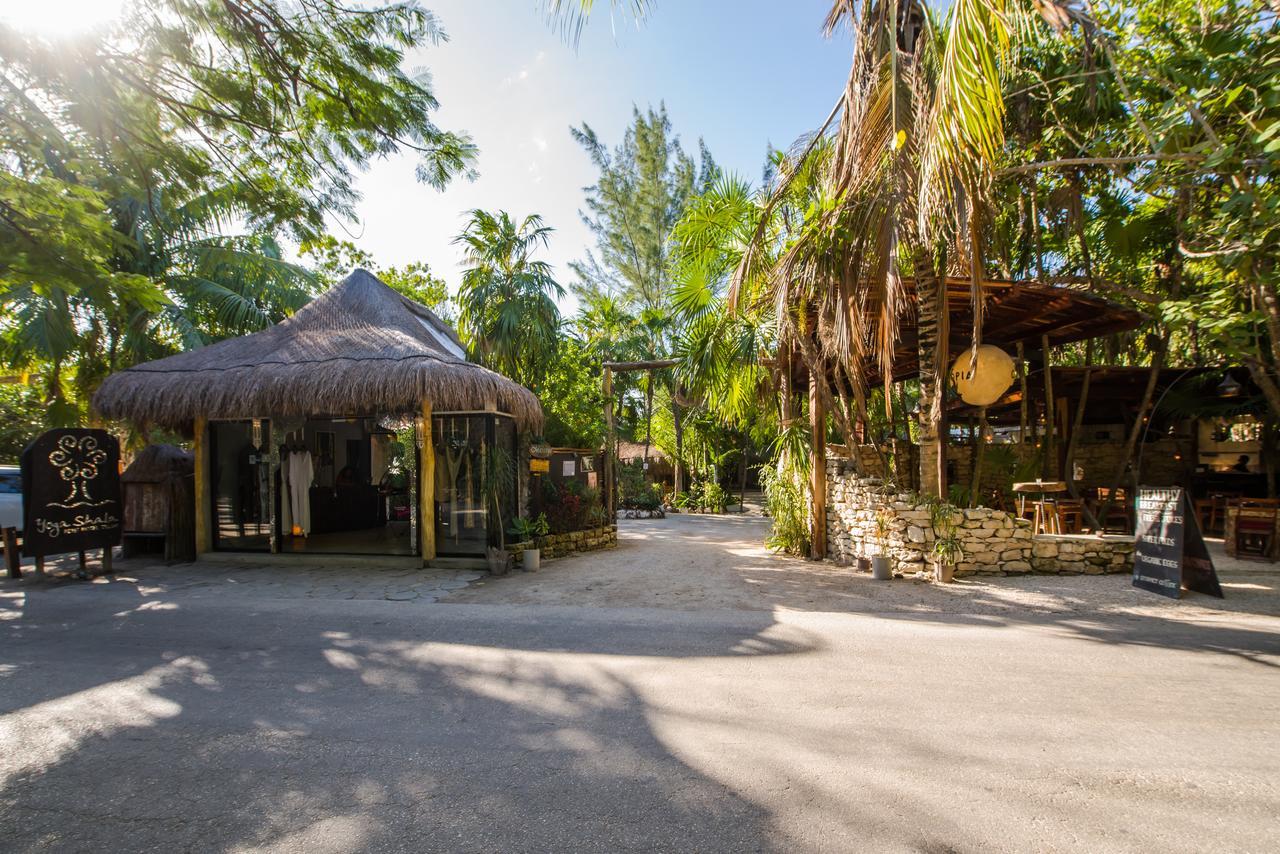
204, 527
1050, 425
12, 555
427, 488
818, 471
610, 444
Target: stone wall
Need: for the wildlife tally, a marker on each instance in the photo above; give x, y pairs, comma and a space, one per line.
994, 542
560, 545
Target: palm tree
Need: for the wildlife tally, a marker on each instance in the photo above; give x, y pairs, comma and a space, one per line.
902, 194
507, 301
179, 281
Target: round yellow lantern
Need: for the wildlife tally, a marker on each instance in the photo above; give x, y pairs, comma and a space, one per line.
981, 383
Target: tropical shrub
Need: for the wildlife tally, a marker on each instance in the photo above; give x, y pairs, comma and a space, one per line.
526, 530
787, 503
634, 490
570, 506
704, 496
22, 418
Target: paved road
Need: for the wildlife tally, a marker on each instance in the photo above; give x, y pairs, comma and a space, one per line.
136, 720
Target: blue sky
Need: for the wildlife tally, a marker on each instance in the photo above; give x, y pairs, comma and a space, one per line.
739, 74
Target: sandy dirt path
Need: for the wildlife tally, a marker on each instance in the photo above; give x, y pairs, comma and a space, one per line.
697, 562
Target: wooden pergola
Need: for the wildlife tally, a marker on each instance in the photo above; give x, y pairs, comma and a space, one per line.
1016, 316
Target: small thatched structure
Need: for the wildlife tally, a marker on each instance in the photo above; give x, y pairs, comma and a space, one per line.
159, 502
361, 348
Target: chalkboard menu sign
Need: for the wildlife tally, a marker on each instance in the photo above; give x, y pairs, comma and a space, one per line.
1170, 554
71, 492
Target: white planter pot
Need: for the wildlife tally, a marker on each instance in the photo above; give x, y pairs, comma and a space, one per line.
531, 560
881, 568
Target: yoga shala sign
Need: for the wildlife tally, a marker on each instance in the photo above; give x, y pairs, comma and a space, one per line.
71, 492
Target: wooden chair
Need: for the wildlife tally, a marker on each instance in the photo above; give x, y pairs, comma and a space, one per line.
1118, 520
1256, 528
1070, 515
1207, 515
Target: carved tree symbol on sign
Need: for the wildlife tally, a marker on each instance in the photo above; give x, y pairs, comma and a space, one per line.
77, 461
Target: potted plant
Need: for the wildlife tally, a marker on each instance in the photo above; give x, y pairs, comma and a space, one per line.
881, 568
530, 531
947, 548
497, 481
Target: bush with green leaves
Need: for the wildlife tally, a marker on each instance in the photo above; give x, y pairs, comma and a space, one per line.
22, 418
635, 492
528, 530
569, 506
787, 502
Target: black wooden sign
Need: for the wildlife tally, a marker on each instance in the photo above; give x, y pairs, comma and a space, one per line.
1170, 554
71, 492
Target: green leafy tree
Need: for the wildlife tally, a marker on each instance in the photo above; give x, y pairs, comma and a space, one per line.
23, 417
643, 187
507, 301
572, 398
133, 151
333, 259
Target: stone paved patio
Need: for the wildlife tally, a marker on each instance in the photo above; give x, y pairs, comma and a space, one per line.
280, 579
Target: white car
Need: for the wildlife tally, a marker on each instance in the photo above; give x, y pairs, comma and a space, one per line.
10, 497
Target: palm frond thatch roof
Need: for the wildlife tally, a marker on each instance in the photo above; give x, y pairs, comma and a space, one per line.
361, 348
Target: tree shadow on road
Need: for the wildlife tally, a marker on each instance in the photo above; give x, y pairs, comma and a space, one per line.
352, 726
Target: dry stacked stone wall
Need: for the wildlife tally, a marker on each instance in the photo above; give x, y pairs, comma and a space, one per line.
994, 542
559, 545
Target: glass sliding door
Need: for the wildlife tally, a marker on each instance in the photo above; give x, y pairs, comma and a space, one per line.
474, 480
344, 485
240, 481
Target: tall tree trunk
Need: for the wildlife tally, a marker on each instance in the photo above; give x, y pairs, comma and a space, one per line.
1076, 426
1138, 427
979, 449
678, 474
818, 466
1266, 371
932, 336
1050, 465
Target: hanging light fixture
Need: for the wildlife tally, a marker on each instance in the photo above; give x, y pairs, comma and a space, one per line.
1229, 387
981, 382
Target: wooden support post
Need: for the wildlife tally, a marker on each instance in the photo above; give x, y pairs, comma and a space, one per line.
1050, 424
818, 471
427, 488
82, 570
203, 499
1062, 408
12, 556
610, 447
107, 567
1022, 405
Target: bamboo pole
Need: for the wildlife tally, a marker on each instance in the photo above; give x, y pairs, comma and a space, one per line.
1022, 405
610, 445
201, 447
1073, 440
427, 488
1050, 424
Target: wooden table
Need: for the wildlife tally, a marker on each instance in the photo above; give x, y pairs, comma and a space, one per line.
1046, 519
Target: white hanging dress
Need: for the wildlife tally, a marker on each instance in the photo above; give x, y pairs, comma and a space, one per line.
301, 473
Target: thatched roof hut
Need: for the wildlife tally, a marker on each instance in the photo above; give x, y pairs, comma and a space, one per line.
361, 348
156, 463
